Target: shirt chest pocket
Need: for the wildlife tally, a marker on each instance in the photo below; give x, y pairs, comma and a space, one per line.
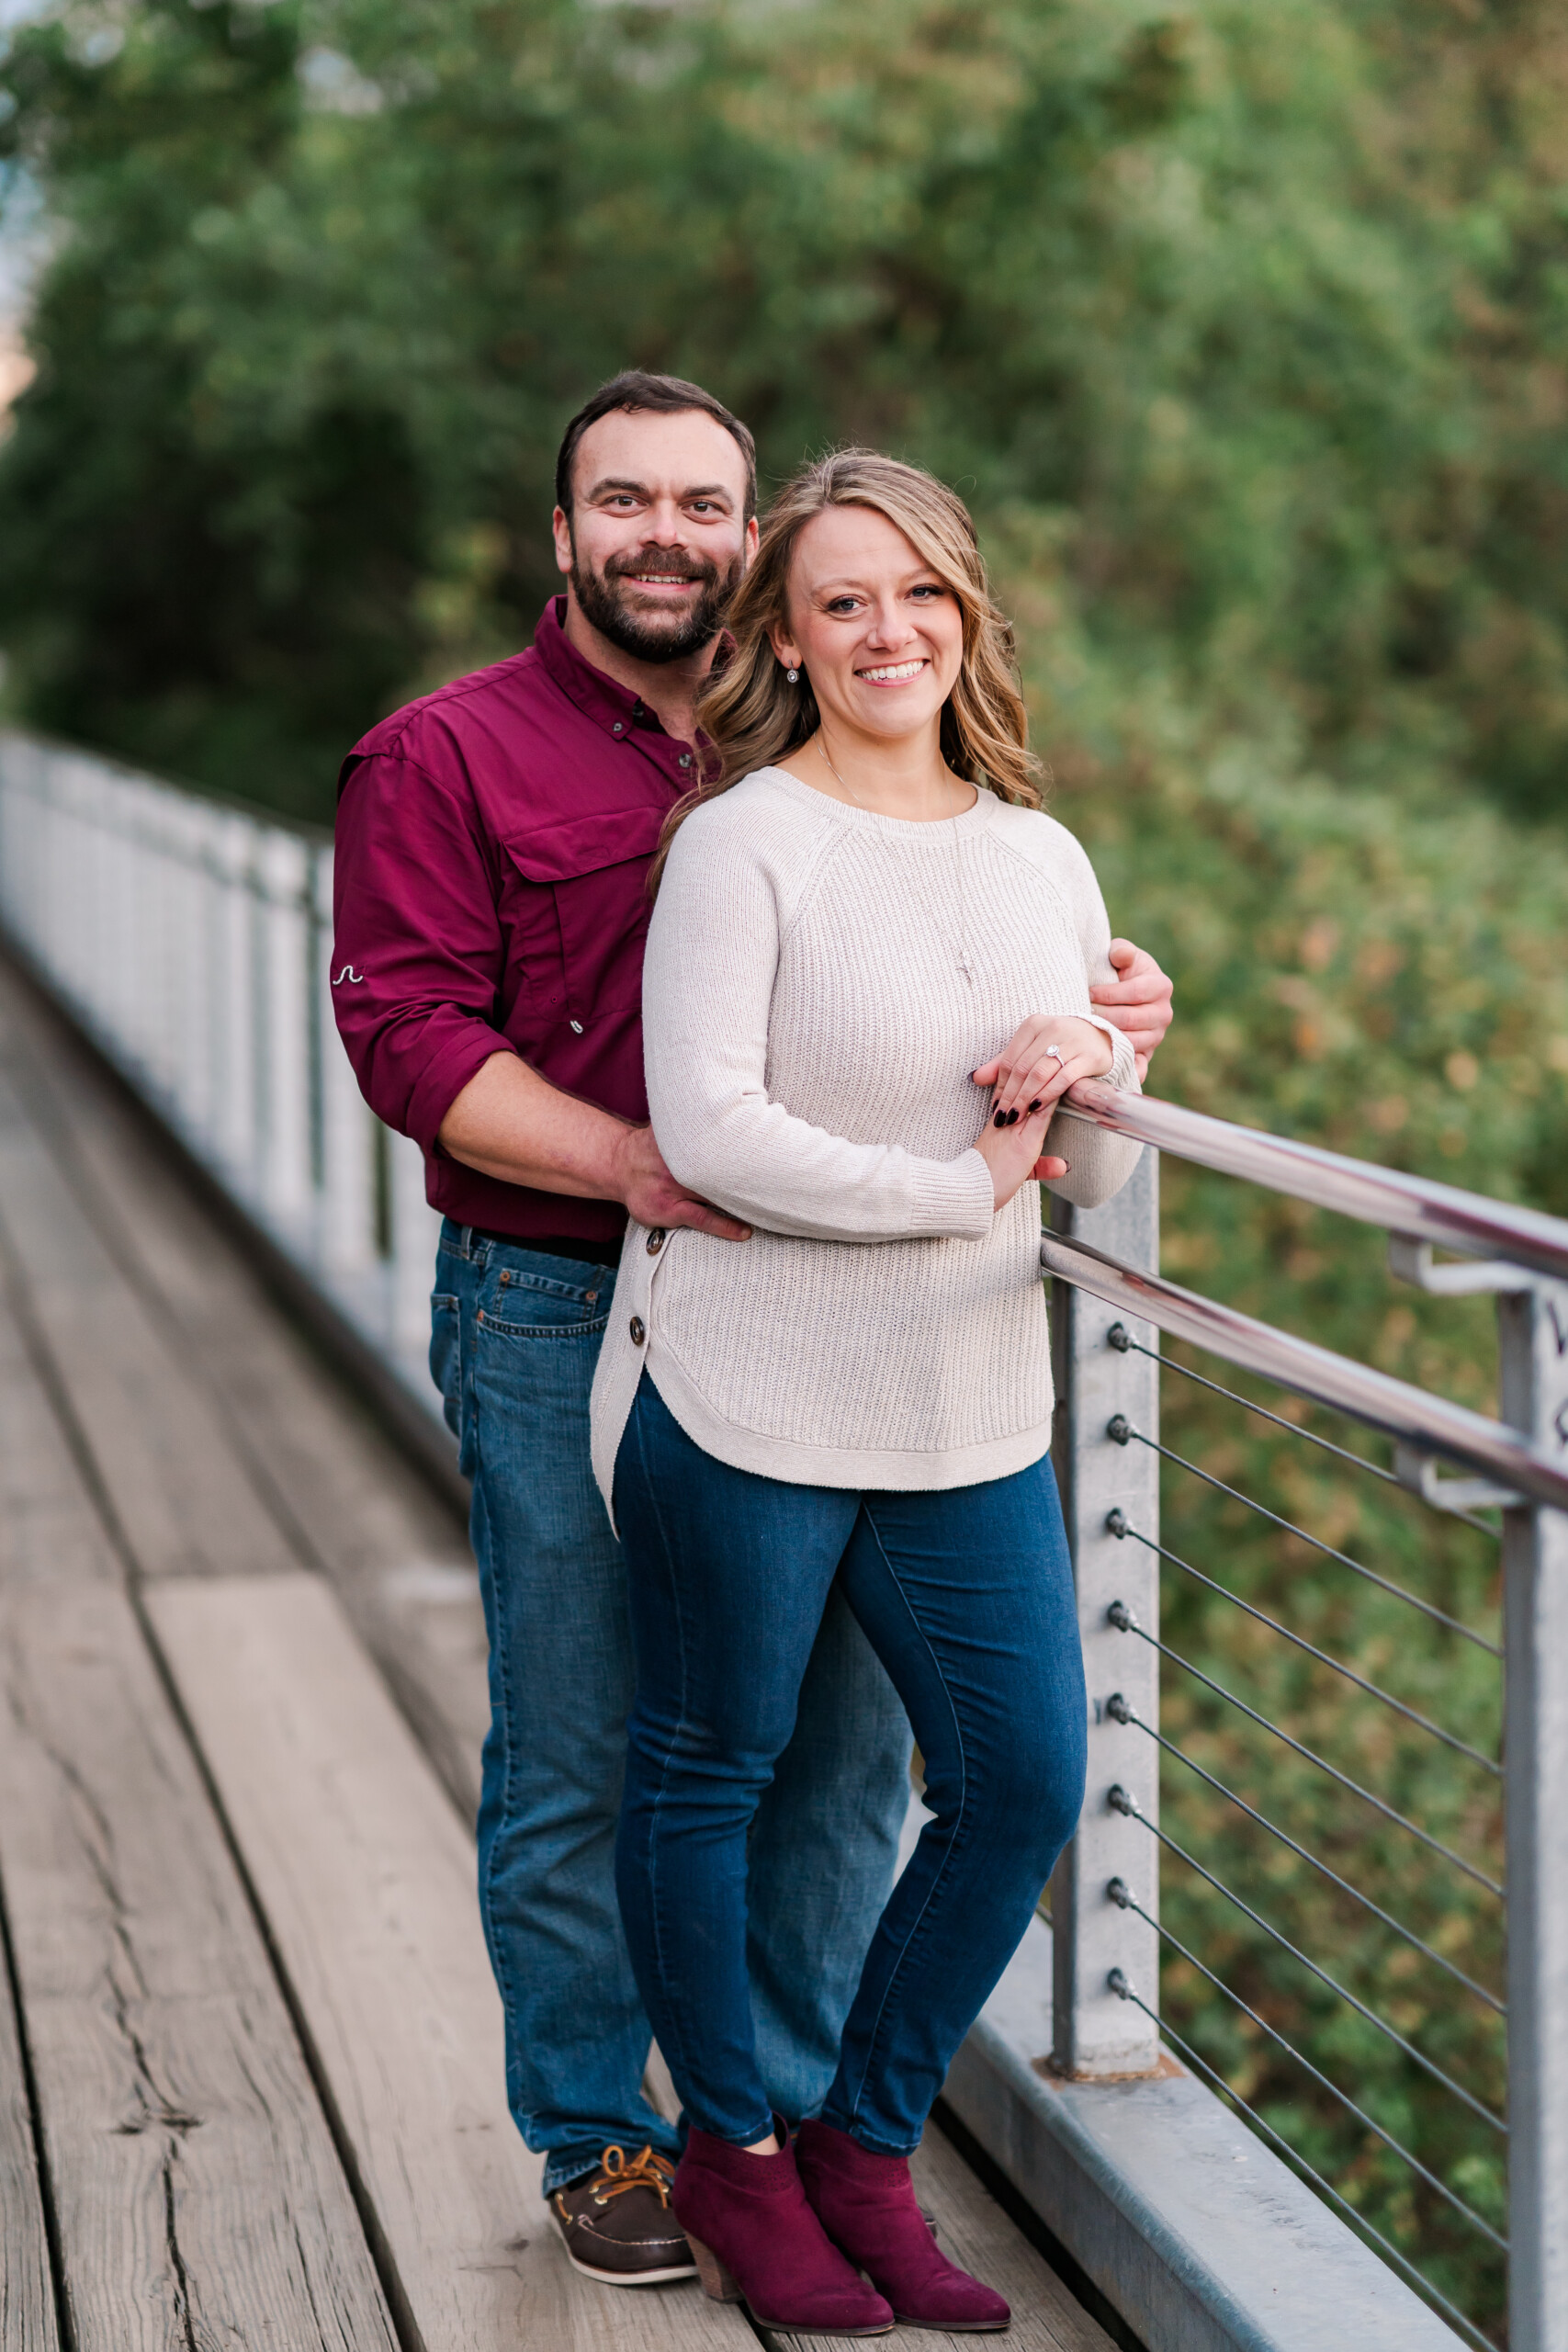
584, 910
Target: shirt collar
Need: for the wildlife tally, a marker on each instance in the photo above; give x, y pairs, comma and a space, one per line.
612, 706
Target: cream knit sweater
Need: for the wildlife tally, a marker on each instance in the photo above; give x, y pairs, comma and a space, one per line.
809, 1035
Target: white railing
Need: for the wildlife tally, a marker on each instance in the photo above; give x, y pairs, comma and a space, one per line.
191, 939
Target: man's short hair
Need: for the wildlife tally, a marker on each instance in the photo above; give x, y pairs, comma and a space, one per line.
635, 389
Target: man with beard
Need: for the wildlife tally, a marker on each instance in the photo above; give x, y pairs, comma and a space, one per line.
493, 844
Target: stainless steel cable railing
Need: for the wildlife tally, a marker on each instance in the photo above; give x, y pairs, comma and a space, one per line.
1343, 1809
1119, 1527
1118, 1615
1428, 1425
1117, 1337
1119, 1802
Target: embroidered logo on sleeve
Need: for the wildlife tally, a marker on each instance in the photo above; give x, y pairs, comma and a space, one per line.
350, 975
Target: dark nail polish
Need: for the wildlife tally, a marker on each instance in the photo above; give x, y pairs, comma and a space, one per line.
1012, 1117
1000, 1120
1034, 1106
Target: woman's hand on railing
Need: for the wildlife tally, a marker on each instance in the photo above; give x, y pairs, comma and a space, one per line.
1044, 1056
1013, 1154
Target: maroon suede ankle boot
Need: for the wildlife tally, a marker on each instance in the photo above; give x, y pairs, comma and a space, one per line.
755, 2240
866, 2203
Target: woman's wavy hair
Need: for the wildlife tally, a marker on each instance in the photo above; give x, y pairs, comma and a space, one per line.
750, 717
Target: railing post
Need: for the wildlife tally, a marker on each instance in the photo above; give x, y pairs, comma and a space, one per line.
235, 1120
1095, 2033
1533, 1331
348, 1143
282, 868
416, 1228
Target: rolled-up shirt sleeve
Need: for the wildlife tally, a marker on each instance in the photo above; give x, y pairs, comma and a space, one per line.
418, 949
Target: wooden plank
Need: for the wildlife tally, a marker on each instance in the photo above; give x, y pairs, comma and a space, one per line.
976, 2233
347, 1497
197, 2195
175, 1483
140, 1965
367, 1882
44, 1531
26, 2291
47, 1533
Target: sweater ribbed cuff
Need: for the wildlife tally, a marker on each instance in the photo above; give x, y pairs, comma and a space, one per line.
955, 1199
1124, 1068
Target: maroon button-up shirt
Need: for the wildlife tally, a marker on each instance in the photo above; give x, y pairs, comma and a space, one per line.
494, 842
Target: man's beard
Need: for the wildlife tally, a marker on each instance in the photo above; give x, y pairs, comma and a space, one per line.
649, 636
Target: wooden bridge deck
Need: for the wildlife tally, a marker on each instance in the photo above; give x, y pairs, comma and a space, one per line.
251, 2086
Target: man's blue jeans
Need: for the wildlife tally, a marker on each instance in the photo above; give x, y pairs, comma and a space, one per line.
516, 1335
967, 1596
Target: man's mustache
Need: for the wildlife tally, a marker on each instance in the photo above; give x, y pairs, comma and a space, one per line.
668, 563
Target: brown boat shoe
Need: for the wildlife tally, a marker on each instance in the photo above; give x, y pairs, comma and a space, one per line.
617, 2225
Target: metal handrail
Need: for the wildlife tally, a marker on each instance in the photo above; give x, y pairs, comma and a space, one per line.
1407, 1415
1438, 1214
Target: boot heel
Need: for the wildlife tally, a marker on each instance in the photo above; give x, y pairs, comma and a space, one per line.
717, 2280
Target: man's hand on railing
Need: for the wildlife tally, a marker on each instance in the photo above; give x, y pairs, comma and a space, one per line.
1138, 1000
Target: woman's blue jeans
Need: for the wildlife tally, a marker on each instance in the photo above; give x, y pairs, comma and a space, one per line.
966, 1596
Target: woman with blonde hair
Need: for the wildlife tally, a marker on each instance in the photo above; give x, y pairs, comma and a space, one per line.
866, 993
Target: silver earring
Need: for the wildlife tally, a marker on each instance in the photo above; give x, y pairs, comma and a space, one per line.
794, 677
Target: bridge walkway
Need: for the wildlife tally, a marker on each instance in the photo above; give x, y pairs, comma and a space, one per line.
251, 2084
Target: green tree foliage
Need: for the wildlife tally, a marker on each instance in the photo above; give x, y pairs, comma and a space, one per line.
1244, 323
1250, 318
185, 579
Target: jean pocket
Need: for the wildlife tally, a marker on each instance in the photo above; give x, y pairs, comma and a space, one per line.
526, 1305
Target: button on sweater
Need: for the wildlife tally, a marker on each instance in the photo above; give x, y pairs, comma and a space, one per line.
820, 981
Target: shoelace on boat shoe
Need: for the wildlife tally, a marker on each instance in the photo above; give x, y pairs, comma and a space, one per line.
647, 2169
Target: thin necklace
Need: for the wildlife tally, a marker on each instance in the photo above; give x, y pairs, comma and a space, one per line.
962, 958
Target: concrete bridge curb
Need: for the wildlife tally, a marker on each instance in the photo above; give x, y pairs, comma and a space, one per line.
1195, 2232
